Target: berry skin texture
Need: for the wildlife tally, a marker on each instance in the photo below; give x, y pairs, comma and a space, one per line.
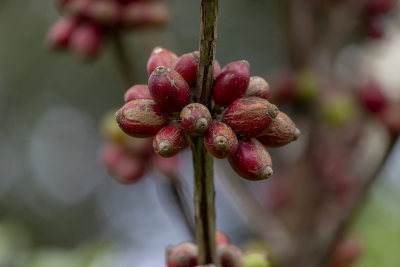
60, 34
258, 87
86, 41
220, 140
183, 255
140, 91
250, 116
221, 239
195, 119
169, 141
168, 89
141, 118
187, 66
251, 160
280, 132
231, 83
231, 256
160, 57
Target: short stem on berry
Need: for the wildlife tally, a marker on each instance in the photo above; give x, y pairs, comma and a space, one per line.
204, 192
122, 59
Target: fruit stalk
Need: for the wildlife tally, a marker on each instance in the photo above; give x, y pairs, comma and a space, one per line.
122, 59
204, 193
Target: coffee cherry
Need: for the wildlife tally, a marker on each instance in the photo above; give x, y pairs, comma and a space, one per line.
187, 66
251, 160
250, 116
372, 97
378, 7
169, 141
220, 140
183, 255
221, 239
139, 91
256, 259
123, 167
231, 256
140, 14
375, 28
110, 130
168, 89
60, 33
346, 252
195, 119
280, 132
141, 118
86, 41
160, 57
258, 87
231, 83
106, 13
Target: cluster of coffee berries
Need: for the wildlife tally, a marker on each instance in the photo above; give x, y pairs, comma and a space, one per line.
127, 158
375, 12
238, 127
186, 254
86, 23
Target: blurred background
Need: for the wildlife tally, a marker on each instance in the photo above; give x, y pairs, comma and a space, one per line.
58, 205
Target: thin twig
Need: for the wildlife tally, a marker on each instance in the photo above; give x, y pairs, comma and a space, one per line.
347, 216
122, 59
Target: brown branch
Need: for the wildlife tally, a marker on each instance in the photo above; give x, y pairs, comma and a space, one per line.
348, 215
122, 59
204, 192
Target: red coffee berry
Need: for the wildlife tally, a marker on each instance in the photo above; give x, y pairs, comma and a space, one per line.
195, 119
123, 166
168, 89
221, 239
220, 140
375, 28
346, 253
251, 160
280, 132
250, 116
106, 13
231, 83
169, 141
187, 66
86, 41
141, 118
160, 57
183, 255
140, 14
372, 97
258, 87
139, 91
217, 68
231, 256
378, 7
60, 33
